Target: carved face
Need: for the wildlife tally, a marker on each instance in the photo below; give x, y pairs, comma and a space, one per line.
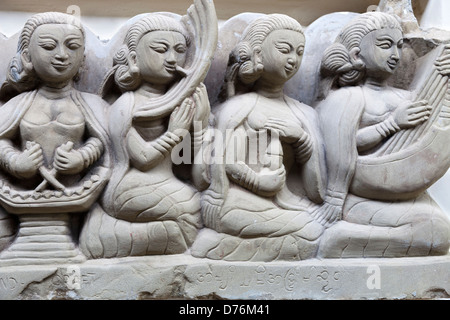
56, 52
381, 51
281, 55
157, 55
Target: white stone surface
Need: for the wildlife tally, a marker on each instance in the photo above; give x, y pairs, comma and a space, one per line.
182, 276
436, 15
105, 27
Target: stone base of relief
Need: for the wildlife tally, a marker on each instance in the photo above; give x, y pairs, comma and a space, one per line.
182, 161
182, 276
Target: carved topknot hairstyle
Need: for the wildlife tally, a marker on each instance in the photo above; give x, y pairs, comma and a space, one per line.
20, 77
241, 65
336, 60
125, 77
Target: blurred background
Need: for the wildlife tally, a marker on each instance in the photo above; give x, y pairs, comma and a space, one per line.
103, 15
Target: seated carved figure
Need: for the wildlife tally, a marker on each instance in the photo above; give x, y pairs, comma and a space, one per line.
52, 143
266, 172
384, 148
147, 208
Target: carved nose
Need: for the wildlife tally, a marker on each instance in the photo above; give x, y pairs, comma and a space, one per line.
395, 55
292, 61
171, 58
61, 54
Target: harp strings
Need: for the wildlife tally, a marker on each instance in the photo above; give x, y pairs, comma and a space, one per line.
434, 90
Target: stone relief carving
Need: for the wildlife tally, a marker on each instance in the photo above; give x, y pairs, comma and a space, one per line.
146, 208
269, 142
234, 169
362, 162
53, 143
384, 146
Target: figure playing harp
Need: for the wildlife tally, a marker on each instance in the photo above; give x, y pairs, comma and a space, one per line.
146, 208
384, 147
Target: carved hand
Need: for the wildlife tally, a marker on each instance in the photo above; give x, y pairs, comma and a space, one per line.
289, 130
68, 160
443, 62
181, 118
410, 114
270, 181
26, 163
202, 106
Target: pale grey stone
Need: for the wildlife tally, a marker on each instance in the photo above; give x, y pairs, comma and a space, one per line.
184, 277
310, 151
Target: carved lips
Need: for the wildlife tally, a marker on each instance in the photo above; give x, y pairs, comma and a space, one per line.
60, 66
392, 64
171, 68
290, 68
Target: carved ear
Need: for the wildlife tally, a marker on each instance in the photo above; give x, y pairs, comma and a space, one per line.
26, 60
132, 62
354, 53
355, 59
257, 59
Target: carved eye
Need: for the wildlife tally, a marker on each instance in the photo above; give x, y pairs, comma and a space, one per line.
159, 48
300, 51
283, 48
180, 49
48, 46
385, 45
73, 45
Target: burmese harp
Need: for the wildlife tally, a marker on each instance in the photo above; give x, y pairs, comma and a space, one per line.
413, 159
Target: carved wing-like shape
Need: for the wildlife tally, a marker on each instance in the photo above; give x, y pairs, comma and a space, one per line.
201, 20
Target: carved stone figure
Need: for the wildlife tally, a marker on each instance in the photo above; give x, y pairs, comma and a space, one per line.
147, 208
267, 173
384, 147
225, 163
52, 144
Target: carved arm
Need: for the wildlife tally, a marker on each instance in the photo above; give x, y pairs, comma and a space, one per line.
91, 151
266, 183
20, 164
303, 148
146, 155
369, 137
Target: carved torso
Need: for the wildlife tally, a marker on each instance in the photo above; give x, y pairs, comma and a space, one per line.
59, 119
151, 129
278, 152
269, 108
379, 104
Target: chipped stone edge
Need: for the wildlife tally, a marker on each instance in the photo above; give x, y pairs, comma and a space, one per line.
185, 277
